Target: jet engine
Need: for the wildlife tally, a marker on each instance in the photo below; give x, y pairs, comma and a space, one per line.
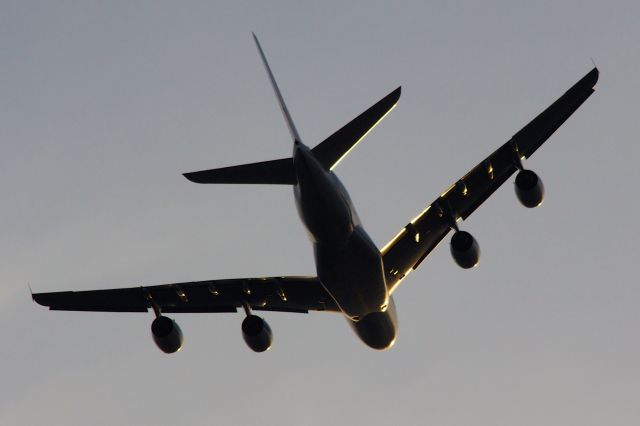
529, 188
465, 249
166, 334
256, 333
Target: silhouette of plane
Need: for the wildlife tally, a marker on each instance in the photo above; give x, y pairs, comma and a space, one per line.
354, 277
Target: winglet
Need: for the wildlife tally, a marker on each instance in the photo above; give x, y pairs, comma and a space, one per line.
592, 76
292, 128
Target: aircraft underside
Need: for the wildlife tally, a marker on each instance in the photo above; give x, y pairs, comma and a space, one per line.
354, 277
378, 330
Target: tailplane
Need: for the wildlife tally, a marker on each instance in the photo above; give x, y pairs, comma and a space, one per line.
329, 152
333, 149
274, 172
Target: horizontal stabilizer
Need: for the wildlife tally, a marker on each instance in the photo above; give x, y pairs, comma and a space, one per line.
275, 172
337, 146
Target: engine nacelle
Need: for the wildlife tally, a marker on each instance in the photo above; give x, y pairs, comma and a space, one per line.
166, 334
465, 249
529, 188
256, 333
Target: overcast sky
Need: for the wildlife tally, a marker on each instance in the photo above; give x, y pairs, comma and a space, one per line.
104, 104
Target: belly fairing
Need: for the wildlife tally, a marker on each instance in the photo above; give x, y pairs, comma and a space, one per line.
353, 275
378, 330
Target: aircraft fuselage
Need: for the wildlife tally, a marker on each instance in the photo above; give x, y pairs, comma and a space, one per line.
348, 263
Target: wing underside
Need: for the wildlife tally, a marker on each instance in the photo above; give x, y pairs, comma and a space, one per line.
419, 237
284, 294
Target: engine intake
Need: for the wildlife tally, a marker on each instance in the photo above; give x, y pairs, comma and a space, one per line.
166, 334
256, 333
529, 188
465, 249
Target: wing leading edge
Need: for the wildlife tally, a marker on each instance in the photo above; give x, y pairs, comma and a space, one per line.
283, 294
418, 238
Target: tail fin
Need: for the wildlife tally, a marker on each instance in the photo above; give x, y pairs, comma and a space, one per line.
329, 152
279, 172
338, 145
292, 128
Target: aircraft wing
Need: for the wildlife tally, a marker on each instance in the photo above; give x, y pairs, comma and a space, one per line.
419, 237
284, 294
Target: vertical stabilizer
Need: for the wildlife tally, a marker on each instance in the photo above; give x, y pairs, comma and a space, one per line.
292, 128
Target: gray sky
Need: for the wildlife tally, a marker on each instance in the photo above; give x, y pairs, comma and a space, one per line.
103, 105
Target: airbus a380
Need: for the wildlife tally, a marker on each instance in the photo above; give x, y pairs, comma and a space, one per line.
354, 277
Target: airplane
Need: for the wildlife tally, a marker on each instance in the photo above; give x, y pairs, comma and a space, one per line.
354, 277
